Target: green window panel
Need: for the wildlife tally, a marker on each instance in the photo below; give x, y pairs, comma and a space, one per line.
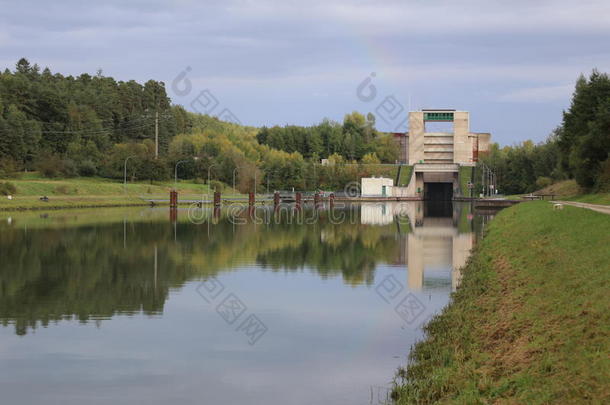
438, 116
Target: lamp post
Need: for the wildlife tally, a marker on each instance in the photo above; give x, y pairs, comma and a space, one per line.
234, 171
209, 168
176, 172
125, 173
268, 181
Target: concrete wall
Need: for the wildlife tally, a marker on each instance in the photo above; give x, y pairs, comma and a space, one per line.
484, 141
462, 146
373, 186
416, 137
401, 192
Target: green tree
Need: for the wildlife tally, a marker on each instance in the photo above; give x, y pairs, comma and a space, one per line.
584, 141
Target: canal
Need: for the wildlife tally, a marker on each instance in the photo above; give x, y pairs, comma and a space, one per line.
118, 306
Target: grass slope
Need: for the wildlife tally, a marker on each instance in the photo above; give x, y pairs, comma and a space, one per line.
530, 322
35, 185
569, 190
602, 198
93, 192
405, 176
465, 177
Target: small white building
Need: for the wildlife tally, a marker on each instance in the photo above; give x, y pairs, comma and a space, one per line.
376, 187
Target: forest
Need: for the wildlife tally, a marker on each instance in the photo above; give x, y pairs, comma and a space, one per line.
66, 126
577, 149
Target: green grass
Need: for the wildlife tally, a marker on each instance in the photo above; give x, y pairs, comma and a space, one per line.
569, 190
93, 192
530, 323
465, 176
34, 185
602, 198
405, 176
564, 188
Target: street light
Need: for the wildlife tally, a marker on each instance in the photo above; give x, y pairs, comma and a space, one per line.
176, 172
268, 180
125, 173
209, 168
234, 170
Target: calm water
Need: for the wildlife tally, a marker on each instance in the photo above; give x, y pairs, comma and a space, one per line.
122, 306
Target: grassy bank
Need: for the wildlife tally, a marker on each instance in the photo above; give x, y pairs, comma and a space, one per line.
602, 198
570, 191
405, 176
83, 192
465, 177
530, 322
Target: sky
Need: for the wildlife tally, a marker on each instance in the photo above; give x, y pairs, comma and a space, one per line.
512, 64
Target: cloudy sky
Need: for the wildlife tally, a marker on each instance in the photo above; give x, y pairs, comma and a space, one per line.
512, 64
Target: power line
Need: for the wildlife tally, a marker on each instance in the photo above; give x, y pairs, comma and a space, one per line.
120, 127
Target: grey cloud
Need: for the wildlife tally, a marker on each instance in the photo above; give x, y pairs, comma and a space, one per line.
270, 60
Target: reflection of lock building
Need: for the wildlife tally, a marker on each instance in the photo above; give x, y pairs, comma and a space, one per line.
437, 156
430, 239
436, 244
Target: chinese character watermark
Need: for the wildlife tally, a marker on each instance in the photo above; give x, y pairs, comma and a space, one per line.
231, 308
205, 102
407, 306
389, 110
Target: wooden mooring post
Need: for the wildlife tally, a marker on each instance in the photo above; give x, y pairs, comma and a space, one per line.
173, 199
276, 198
216, 198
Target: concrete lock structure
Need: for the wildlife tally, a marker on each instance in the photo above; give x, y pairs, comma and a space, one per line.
437, 156
376, 187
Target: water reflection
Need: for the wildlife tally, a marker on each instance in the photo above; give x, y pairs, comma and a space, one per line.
72, 265
438, 238
134, 274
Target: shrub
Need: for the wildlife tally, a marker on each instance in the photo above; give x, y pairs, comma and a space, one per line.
87, 168
68, 168
542, 182
50, 165
216, 185
7, 188
603, 179
8, 167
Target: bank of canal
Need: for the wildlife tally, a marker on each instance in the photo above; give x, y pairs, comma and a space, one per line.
530, 322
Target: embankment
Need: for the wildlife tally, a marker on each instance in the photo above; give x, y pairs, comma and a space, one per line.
530, 322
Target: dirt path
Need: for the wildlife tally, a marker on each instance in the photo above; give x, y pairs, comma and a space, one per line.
604, 209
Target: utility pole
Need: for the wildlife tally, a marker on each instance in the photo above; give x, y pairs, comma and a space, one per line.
483, 179
156, 133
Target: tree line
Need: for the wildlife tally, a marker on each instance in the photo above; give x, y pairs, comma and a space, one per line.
352, 140
89, 125
63, 126
577, 149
